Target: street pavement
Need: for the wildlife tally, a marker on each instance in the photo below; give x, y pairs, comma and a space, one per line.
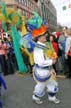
20, 90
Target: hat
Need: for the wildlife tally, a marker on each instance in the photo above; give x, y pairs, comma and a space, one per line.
57, 34
39, 32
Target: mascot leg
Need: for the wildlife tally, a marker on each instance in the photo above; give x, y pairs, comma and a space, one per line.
39, 91
52, 88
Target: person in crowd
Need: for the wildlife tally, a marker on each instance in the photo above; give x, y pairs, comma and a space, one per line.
1, 30
61, 43
42, 74
3, 56
11, 61
52, 39
68, 52
57, 35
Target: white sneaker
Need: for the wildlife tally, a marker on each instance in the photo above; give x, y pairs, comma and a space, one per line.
54, 99
37, 100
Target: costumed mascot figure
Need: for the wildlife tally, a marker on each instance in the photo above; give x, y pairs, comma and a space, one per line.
2, 82
42, 70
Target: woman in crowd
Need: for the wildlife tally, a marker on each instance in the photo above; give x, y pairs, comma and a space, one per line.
68, 52
3, 56
62, 43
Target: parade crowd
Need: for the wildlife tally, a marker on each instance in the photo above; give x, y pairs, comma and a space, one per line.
60, 42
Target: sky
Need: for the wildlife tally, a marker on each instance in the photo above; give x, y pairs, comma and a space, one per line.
63, 16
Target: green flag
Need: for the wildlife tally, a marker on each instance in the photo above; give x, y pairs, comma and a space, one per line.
64, 7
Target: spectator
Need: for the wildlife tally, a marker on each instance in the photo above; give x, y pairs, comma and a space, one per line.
61, 43
68, 52
3, 57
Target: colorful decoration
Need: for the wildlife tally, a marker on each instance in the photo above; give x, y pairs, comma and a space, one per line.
49, 52
69, 6
35, 22
16, 38
64, 7
38, 32
4, 11
27, 42
30, 54
15, 20
2, 17
10, 10
4, 26
11, 15
23, 29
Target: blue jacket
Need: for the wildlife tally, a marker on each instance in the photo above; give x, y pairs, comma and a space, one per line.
62, 43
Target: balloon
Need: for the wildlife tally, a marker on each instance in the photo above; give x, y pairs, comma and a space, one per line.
16, 38
35, 22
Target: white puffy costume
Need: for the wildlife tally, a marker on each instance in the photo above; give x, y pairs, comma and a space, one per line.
42, 74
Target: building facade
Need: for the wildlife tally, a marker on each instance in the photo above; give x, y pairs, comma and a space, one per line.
44, 7
25, 6
49, 13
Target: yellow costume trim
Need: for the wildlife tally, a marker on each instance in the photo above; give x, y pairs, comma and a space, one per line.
49, 52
